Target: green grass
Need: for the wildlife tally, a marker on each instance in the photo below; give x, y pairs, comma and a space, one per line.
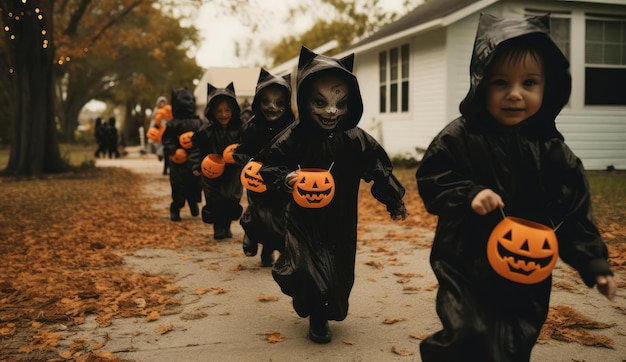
76, 154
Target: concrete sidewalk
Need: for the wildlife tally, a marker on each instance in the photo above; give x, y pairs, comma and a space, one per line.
392, 303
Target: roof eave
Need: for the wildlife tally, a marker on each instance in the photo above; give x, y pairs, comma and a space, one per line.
438, 23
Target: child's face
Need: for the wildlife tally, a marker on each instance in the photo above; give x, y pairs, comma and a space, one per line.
329, 101
223, 113
515, 89
273, 103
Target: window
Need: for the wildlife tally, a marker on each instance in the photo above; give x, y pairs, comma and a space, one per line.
393, 66
605, 60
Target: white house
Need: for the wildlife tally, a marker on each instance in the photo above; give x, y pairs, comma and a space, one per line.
244, 80
414, 72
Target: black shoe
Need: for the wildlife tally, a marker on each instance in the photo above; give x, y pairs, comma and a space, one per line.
193, 208
228, 233
219, 233
319, 332
175, 216
250, 248
267, 258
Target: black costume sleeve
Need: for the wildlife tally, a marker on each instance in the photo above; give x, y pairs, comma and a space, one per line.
441, 181
580, 243
386, 188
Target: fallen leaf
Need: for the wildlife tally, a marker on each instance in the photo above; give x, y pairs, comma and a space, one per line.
154, 315
200, 291
267, 298
401, 352
432, 287
392, 320
375, 264
274, 337
164, 329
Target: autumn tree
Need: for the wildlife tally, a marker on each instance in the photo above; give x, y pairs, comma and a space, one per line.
27, 45
29, 66
157, 68
342, 20
135, 52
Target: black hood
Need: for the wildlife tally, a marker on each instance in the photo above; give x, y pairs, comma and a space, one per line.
495, 33
310, 66
214, 95
265, 80
183, 103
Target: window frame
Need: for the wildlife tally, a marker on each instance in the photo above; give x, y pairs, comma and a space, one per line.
394, 73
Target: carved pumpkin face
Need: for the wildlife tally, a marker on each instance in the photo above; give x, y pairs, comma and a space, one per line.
185, 140
155, 134
228, 153
314, 188
179, 157
212, 166
250, 177
522, 251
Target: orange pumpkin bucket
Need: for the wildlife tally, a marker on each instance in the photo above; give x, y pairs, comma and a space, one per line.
228, 153
212, 165
185, 140
522, 251
251, 178
156, 134
179, 157
314, 188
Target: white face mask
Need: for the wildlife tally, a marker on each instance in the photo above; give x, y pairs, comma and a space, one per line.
329, 101
273, 103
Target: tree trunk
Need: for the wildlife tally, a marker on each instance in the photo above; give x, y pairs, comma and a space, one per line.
34, 147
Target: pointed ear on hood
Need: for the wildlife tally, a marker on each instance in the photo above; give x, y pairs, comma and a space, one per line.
209, 90
306, 56
347, 62
231, 87
263, 74
287, 78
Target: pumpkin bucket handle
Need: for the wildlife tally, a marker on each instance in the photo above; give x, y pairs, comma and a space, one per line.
329, 168
555, 228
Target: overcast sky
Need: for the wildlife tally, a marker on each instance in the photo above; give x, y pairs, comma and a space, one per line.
219, 35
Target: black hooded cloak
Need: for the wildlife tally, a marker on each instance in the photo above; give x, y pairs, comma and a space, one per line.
185, 186
222, 194
538, 177
264, 217
320, 244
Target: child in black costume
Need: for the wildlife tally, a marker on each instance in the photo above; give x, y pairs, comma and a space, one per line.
263, 219
185, 185
317, 266
222, 194
504, 155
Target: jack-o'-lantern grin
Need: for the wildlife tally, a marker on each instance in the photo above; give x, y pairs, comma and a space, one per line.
253, 181
522, 251
314, 197
522, 264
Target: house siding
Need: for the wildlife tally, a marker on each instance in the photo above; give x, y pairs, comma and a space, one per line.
429, 83
440, 80
400, 133
460, 40
598, 138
